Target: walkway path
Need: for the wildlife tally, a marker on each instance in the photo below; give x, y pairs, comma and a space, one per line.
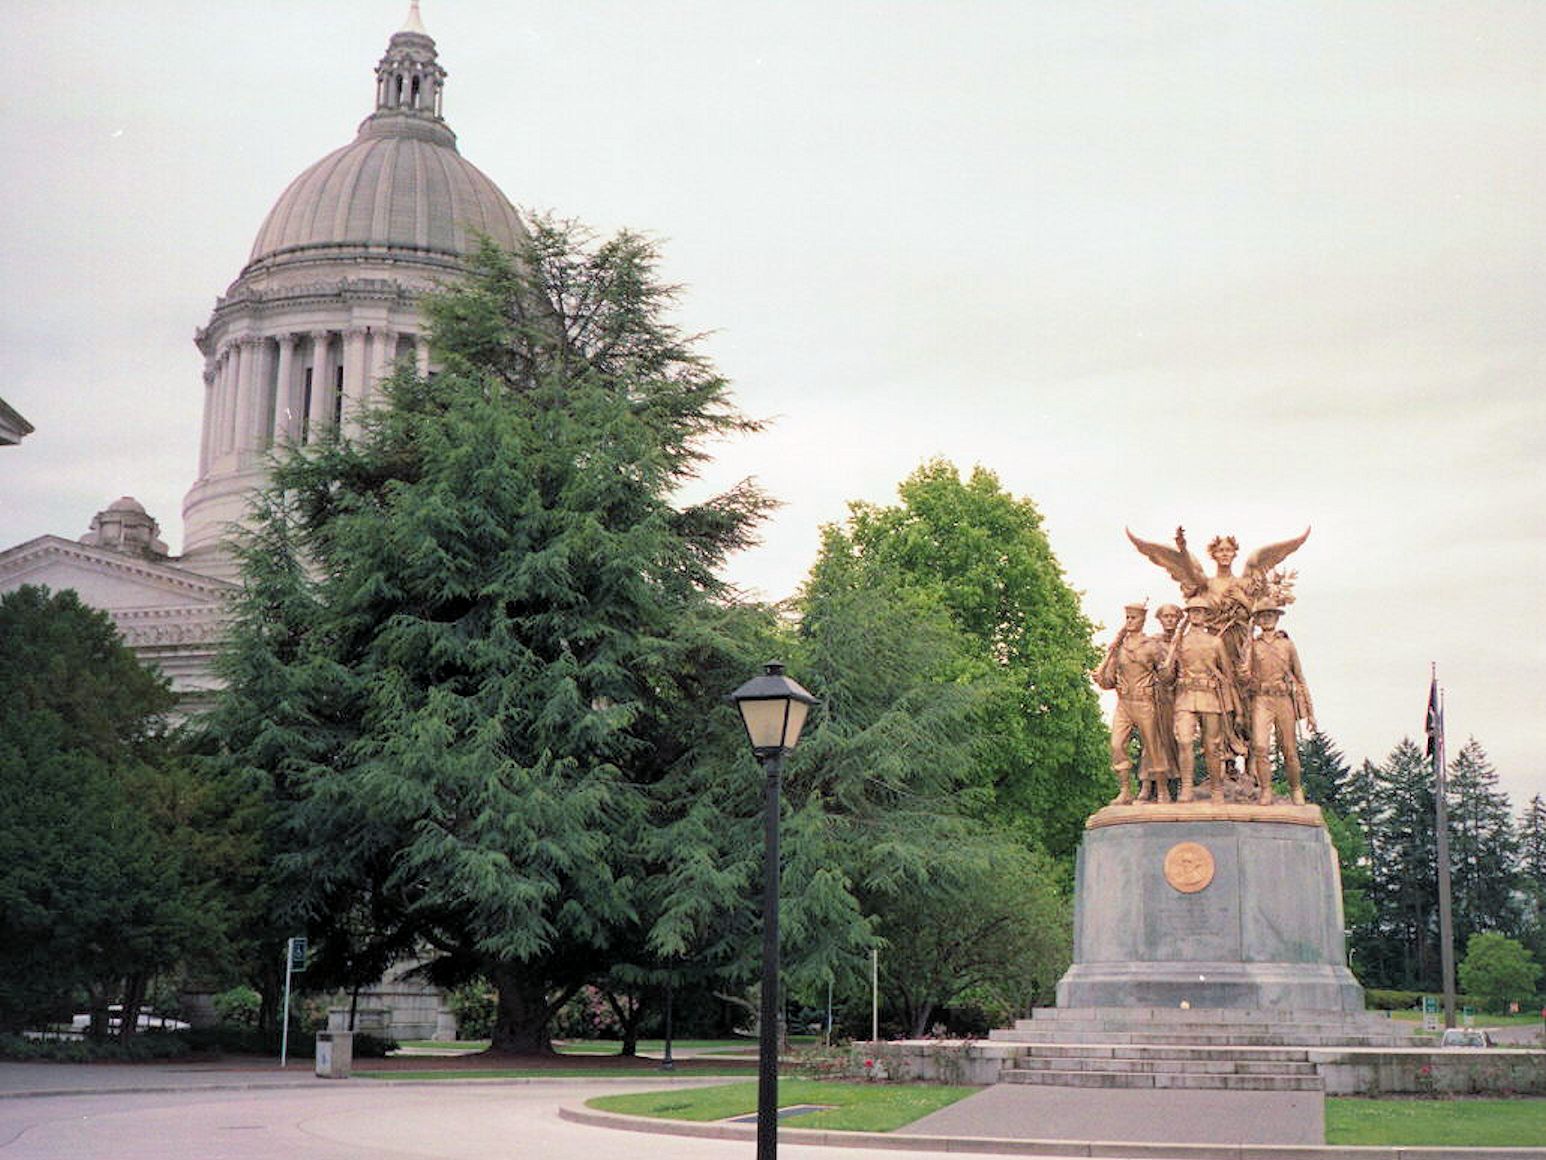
347, 1120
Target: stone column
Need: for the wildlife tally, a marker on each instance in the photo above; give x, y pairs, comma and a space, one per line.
264, 399
287, 419
421, 355
321, 386
354, 375
230, 376
246, 389
207, 427
383, 349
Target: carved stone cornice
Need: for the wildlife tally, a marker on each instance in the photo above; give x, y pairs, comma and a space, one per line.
160, 627
263, 301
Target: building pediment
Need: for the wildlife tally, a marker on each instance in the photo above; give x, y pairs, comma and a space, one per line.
109, 580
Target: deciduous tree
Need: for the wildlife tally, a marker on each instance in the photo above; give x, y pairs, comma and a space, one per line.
982, 556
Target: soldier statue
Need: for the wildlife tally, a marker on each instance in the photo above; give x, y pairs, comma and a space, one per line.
1134, 667
1271, 674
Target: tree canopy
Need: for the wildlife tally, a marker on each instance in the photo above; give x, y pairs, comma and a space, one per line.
98, 822
465, 648
981, 556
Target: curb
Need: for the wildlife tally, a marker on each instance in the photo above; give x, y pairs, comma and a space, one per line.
997, 1146
315, 1082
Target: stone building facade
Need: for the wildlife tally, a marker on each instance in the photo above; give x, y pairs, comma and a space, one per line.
325, 307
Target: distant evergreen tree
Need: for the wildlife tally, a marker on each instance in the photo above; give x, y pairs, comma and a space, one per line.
1325, 771
1405, 950
1532, 844
1531, 832
1482, 847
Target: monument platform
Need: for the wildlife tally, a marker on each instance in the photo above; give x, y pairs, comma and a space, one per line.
1199, 905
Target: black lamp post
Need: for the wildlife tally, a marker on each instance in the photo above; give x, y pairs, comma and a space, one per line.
773, 708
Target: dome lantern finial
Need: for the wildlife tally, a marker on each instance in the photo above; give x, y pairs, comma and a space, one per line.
408, 79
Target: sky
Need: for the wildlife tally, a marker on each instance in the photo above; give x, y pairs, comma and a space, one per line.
1245, 268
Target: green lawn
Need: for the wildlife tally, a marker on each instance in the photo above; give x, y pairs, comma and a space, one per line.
863, 1107
1532, 1019
855, 1107
1437, 1123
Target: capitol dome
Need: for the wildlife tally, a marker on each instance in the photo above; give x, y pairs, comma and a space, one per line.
328, 303
401, 184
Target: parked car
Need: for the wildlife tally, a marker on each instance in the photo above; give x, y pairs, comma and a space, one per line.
148, 1021
1465, 1037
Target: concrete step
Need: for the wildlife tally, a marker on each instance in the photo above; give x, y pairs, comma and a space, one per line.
1218, 1036
1168, 1066
1118, 1079
1202, 1015
1166, 1051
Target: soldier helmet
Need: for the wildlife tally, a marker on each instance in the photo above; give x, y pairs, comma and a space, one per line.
1142, 607
1267, 604
1200, 601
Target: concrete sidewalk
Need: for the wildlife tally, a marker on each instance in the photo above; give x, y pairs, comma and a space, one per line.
1174, 1116
55, 1079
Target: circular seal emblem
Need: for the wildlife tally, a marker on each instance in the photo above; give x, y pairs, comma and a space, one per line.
1188, 867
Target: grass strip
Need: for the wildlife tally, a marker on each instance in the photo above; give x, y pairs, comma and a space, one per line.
855, 1107
1466, 1123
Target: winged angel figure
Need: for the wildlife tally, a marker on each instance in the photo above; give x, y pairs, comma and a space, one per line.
1231, 596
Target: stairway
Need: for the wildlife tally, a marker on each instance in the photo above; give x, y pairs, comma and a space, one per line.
1149, 1047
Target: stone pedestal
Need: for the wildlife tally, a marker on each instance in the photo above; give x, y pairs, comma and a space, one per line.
1203, 906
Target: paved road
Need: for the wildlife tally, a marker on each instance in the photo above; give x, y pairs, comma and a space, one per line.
349, 1120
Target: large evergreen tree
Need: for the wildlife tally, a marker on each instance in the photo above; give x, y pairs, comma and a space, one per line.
467, 646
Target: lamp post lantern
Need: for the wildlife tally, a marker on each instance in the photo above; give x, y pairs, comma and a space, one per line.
773, 708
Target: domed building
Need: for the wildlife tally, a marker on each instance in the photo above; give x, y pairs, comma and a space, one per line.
326, 305
328, 301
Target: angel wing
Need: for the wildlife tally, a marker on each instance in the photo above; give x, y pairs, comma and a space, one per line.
1269, 557
1178, 561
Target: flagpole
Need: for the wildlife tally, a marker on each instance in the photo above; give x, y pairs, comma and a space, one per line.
1441, 826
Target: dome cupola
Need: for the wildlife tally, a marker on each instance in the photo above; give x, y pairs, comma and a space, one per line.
409, 81
328, 303
400, 188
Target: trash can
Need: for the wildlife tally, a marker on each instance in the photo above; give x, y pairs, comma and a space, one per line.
335, 1054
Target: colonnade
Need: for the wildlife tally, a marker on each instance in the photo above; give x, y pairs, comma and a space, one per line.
290, 387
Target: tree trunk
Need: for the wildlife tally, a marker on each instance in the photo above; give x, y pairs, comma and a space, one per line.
133, 999
522, 1015
921, 1018
629, 1010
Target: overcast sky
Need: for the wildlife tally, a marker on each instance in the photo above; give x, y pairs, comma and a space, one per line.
1242, 267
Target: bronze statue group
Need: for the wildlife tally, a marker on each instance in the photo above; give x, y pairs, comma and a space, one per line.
1220, 673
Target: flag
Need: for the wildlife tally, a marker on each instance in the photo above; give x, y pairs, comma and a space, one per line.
1434, 725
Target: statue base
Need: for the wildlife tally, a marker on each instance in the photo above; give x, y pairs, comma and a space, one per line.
1209, 906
